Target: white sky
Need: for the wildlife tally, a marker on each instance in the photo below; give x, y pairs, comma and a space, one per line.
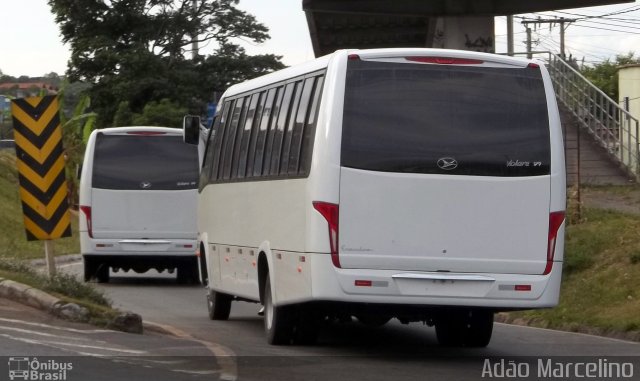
30, 43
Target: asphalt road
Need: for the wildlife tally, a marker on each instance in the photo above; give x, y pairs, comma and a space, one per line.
82, 352
347, 351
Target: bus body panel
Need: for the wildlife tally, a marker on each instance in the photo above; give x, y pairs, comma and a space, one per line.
128, 214
122, 223
494, 229
443, 223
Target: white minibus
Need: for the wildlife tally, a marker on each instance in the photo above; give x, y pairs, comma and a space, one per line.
417, 184
138, 197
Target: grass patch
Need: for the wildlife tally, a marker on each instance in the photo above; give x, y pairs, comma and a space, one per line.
618, 190
63, 286
601, 278
13, 241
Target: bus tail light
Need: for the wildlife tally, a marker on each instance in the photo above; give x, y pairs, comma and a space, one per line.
87, 214
555, 221
146, 133
445, 60
330, 212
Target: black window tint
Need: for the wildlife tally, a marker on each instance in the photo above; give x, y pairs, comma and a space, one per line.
218, 136
230, 138
401, 117
247, 117
137, 162
207, 160
261, 139
275, 111
288, 133
298, 129
308, 136
257, 119
279, 132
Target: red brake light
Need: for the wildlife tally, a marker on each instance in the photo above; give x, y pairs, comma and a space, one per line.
555, 221
522, 287
353, 57
330, 212
147, 133
445, 60
87, 213
533, 65
363, 283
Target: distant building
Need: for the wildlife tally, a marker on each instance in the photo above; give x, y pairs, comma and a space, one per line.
5, 108
28, 89
629, 99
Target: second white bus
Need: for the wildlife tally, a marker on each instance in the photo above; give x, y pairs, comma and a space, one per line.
416, 184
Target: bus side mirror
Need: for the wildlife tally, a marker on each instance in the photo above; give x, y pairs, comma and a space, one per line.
191, 129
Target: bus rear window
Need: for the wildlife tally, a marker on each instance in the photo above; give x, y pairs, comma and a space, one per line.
445, 119
136, 162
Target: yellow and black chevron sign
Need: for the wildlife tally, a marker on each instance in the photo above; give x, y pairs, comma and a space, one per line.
40, 161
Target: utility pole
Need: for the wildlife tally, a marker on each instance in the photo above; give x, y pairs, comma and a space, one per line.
562, 38
510, 35
529, 56
194, 38
562, 21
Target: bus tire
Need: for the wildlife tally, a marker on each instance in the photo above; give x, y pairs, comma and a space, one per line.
305, 331
469, 328
277, 320
102, 272
89, 269
219, 305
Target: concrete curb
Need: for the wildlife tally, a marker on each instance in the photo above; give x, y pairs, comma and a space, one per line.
33, 297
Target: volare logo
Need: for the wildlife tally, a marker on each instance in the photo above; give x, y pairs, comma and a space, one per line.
30, 369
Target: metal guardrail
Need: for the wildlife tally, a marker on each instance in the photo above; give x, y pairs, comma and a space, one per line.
610, 125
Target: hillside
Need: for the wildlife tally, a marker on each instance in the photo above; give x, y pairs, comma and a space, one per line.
601, 278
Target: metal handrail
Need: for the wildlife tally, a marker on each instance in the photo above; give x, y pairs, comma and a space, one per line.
613, 128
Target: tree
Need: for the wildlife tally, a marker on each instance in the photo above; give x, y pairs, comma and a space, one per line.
134, 50
605, 74
164, 114
123, 116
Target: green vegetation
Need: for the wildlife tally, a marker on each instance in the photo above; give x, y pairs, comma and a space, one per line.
15, 250
136, 52
601, 281
605, 74
13, 242
63, 286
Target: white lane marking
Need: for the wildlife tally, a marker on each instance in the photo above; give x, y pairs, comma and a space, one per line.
571, 333
38, 333
102, 348
225, 357
196, 372
31, 341
41, 325
68, 344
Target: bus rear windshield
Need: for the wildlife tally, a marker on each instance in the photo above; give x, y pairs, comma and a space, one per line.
445, 119
137, 162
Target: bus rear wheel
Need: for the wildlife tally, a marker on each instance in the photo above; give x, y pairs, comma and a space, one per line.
219, 305
278, 322
467, 328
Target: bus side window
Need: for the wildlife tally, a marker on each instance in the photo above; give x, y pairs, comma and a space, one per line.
298, 128
308, 136
217, 138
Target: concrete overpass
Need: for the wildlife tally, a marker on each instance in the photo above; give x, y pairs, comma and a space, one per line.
452, 24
